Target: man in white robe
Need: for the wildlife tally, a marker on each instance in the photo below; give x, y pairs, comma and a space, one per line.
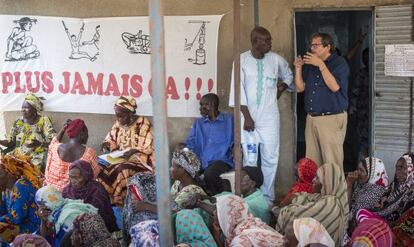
260, 71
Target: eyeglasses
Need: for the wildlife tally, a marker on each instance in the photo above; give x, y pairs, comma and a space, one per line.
313, 46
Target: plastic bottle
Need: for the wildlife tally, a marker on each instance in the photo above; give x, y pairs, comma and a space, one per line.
251, 148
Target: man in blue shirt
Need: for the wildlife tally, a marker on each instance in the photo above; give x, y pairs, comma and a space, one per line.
211, 138
324, 80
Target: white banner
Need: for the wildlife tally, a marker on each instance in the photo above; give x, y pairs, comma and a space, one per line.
84, 65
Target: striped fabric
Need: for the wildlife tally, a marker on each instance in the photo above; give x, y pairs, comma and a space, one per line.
372, 232
138, 135
330, 207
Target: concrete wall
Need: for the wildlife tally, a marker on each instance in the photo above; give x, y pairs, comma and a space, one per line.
276, 15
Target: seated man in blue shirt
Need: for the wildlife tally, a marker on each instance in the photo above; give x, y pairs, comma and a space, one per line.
211, 138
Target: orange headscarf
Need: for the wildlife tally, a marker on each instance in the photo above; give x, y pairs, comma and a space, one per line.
19, 166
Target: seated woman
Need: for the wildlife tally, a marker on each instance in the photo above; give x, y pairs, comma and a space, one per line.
400, 195
133, 133
251, 180
19, 181
83, 187
372, 181
306, 173
404, 230
306, 231
57, 214
328, 205
239, 227
61, 155
89, 231
31, 134
28, 240
191, 230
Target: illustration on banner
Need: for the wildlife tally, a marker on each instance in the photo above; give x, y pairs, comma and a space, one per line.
137, 43
19, 43
200, 53
83, 49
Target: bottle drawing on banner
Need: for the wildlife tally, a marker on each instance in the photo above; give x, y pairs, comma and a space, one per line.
251, 148
82, 49
199, 57
19, 43
137, 43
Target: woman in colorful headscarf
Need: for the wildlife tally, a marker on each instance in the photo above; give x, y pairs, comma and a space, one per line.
25, 240
371, 230
57, 214
82, 186
400, 195
19, 180
61, 155
31, 134
371, 183
184, 169
89, 231
239, 227
328, 205
306, 173
145, 233
134, 134
305, 231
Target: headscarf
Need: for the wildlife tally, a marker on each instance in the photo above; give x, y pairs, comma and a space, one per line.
64, 211
187, 160
409, 182
92, 192
330, 207
145, 233
255, 174
306, 173
19, 166
371, 231
127, 103
93, 231
191, 229
35, 101
36, 240
240, 227
75, 127
310, 231
376, 171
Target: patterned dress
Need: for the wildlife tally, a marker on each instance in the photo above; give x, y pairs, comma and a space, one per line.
139, 135
18, 211
24, 134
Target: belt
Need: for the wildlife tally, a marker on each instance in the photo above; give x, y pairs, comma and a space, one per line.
318, 114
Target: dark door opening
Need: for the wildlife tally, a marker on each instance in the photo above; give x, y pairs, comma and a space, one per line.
346, 28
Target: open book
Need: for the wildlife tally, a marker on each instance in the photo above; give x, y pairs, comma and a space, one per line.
112, 158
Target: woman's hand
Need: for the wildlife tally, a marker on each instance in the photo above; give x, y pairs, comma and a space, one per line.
105, 147
34, 144
352, 176
43, 213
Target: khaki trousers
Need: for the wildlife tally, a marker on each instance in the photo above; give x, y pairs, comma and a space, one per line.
324, 136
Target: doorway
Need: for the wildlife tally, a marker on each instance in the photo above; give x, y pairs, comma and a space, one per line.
346, 28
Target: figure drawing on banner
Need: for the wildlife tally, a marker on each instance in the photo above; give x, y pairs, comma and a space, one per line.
137, 43
82, 49
19, 43
200, 53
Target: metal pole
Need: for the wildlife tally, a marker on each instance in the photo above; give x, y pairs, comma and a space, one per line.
236, 59
256, 12
159, 112
410, 131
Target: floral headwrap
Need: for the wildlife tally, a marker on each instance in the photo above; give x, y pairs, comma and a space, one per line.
19, 166
35, 101
410, 171
376, 171
127, 102
187, 160
145, 233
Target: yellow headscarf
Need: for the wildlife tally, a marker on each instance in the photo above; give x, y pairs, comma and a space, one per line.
35, 101
19, 166
127, 102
